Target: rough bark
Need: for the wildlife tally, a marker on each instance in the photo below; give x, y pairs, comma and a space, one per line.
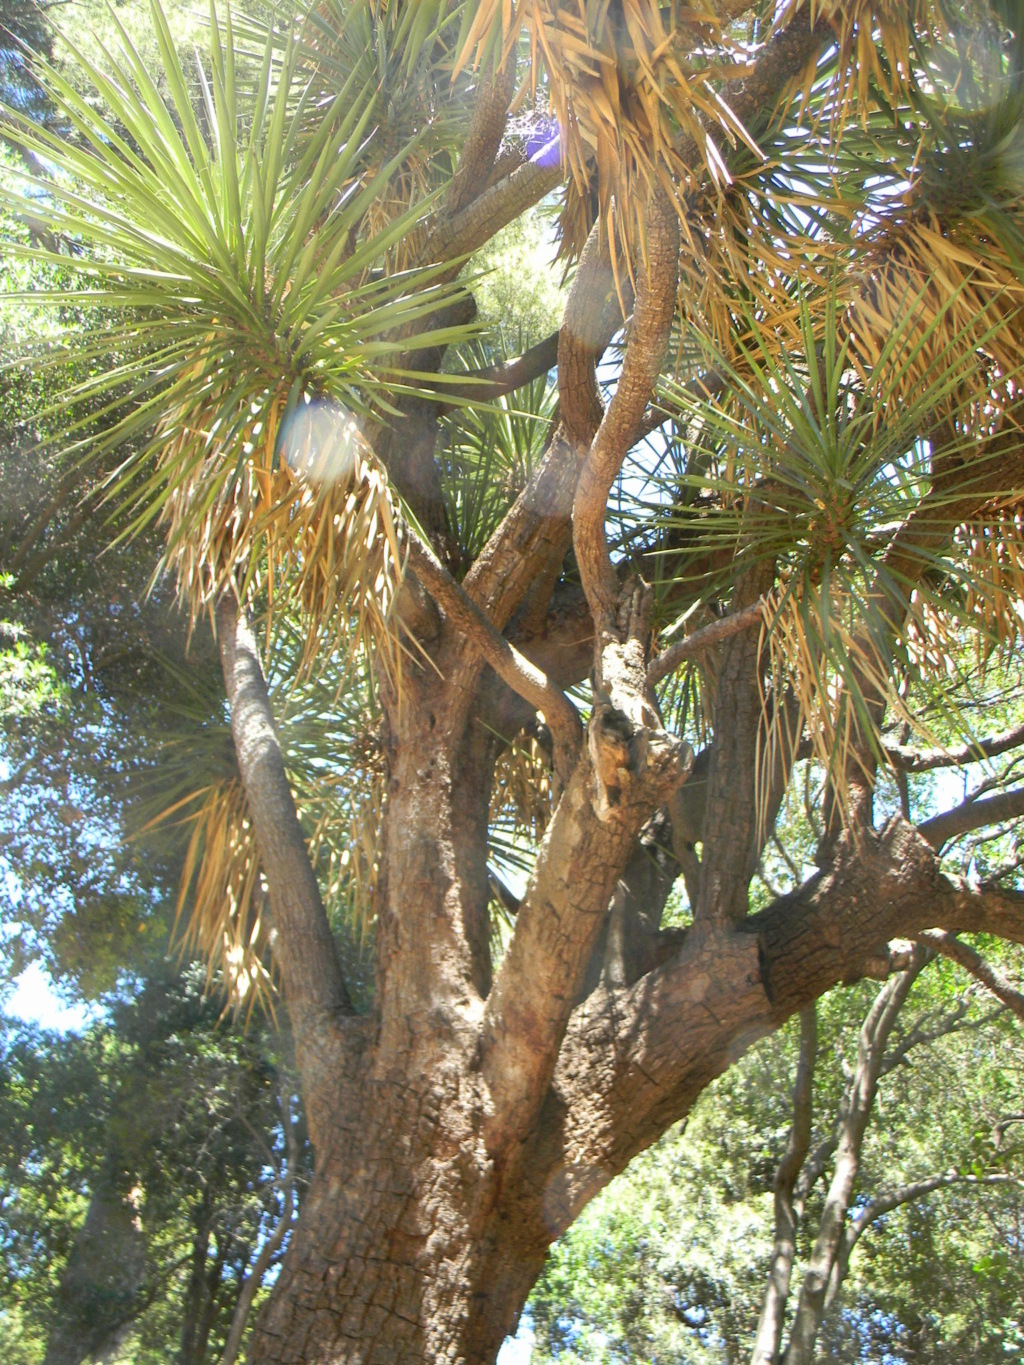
462, 1125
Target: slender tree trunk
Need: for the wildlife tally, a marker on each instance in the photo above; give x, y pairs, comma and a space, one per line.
828, 1244
769, 1328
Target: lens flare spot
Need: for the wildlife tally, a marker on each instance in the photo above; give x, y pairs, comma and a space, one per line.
319, 439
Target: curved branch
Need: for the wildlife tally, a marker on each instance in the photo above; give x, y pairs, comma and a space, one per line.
971, 960
886, 1203
648, 337
705, 638
525, 554
511, 666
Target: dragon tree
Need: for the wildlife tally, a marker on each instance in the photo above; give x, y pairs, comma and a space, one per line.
524, 650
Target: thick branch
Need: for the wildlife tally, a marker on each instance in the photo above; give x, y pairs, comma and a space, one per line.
535, 534
581, 858
648, 337
477, 223
734, 818
633, 1062
924, 760
971, 815
525, 554
303, 944
490, 115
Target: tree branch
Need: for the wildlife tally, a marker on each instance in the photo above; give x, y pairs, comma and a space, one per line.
924, 760
886, 1203
972, 961
490, 115
874, 1036
468, 230
511, 666
773, 1310
481, 385
271, 1246
641, 364
303, 945
581, 859
525, 554
704, 639
623, 1077
972, 815
735, 819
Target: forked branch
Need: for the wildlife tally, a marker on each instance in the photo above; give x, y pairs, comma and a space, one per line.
874, 1036
512, 667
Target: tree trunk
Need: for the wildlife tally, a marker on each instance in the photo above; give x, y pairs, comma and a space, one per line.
104, 1281
405, 1249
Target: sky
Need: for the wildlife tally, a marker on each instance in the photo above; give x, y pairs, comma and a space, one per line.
34, 1000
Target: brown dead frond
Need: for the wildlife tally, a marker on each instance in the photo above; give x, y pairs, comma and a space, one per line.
956, 297
521, 792
875, 52
223, 907
992, 569
303, 511
222, 902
